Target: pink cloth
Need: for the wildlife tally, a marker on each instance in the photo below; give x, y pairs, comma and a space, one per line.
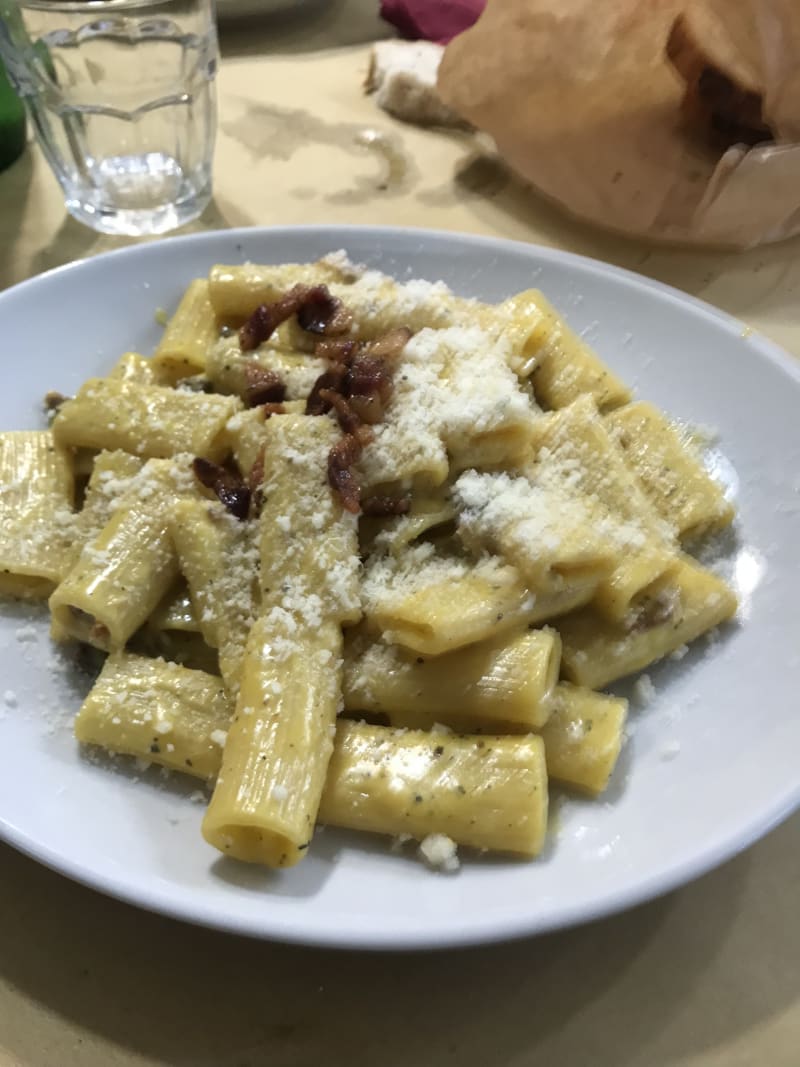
431, 20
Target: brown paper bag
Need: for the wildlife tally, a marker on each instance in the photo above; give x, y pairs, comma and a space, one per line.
582, 101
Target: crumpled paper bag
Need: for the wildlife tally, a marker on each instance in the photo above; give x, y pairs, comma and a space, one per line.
582, 101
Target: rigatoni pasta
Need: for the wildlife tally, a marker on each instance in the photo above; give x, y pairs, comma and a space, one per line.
36, 494
362, 552
146, 420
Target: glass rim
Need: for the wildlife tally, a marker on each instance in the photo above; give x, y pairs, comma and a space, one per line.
90, 5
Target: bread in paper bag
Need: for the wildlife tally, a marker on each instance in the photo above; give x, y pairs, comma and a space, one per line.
582, 98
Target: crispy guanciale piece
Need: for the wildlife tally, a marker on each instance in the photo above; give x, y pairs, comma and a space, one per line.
264, 386
357, 386
341, 459
346, 415
329, 380
228, 487
317, 312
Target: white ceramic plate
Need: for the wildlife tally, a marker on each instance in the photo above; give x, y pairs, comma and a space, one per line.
710, 766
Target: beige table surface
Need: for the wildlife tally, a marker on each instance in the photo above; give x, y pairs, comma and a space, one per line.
708, 976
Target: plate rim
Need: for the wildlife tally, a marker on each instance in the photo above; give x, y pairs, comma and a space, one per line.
495, 927
776, 353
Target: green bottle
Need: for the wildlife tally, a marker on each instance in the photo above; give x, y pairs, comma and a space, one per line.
12, 122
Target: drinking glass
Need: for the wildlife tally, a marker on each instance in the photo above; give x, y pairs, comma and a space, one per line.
121, 96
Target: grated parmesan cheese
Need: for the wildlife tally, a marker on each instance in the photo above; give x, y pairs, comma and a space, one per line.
440, 852
644, 691
452, 388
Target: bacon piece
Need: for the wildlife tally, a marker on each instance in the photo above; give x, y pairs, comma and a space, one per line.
53, 400
391, 344
341, 479
321, 312
346, 416
386, 505
357, 385
228, 487
263, 386
369, 386
262, 324
317, 312
366, 383
272, 409
337, 349
345, 349
367, 375
368, 409
329, 380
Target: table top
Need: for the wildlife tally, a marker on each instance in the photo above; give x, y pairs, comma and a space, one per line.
708, 976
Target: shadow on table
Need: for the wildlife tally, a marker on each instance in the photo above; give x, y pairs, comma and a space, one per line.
300, 27
73, 241
657, 985
15, 184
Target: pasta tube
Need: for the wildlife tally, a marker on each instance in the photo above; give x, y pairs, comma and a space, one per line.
483, 687
278, 745
308, 543
574, 448
583, 737
157, 711
36, 519
596, 652
678, 487
188, 336
561, 366
485, 792
218, 557
131, 367
175, 612
583, 731
236, 291
244, 433
265, 802
149, 421
435, 604
555, 540
121, 573
111, 476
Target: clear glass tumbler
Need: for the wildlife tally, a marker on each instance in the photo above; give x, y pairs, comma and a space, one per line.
121, 96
